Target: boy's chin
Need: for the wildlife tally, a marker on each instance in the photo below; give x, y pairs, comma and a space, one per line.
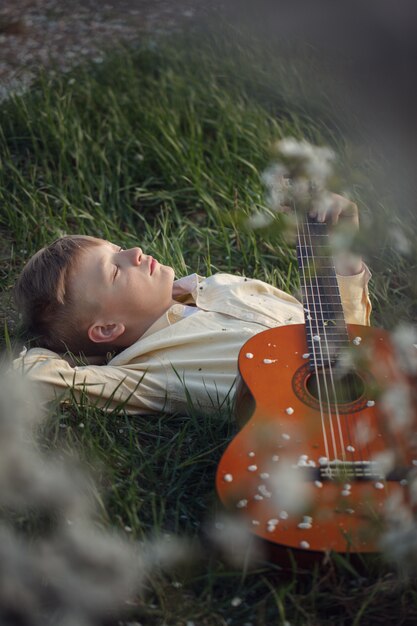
169, 272
169, 269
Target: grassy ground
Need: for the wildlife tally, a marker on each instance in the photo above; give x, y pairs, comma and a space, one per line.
164, 146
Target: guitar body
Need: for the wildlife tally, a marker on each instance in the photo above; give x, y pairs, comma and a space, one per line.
306, 471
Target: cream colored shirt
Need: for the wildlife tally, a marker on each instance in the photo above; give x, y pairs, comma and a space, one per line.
188, 357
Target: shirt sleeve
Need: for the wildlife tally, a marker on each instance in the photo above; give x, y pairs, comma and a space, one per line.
355, 297
134, 390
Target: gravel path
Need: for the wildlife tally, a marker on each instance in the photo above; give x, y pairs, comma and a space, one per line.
58, 34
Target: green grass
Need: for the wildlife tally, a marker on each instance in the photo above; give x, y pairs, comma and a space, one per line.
164, 146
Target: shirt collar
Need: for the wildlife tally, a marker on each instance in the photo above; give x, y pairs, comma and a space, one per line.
185, 289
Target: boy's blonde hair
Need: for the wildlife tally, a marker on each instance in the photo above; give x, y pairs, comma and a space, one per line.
51, 317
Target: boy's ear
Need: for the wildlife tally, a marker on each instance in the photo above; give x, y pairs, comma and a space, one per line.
106, 332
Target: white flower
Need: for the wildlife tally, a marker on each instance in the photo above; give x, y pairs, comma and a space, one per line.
396, 402
276, 183
399, 541
404, 338
74, 572
290, 491
315, 161
260, 219
385, 461
298, 176
231, 535
400, 241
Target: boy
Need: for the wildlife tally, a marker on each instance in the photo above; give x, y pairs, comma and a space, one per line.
173, 340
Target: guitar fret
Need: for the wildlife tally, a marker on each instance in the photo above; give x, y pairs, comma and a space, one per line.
329, 328
314, 256
319, 303
318, 290
318, 287
325, 315
320, 294
320, 282
335, 298
326, 331
316, 307
313, 343
329, 267
331, 308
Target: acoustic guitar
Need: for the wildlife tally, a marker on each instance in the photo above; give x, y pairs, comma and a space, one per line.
307, 471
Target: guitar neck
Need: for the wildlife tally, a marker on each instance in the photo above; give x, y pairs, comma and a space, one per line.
325, 325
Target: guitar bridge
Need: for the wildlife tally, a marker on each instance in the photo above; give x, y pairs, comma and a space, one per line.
343, 471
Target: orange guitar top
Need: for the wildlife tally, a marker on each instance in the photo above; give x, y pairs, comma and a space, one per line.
330, 458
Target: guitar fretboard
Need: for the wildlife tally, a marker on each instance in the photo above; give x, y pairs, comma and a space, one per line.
324, 320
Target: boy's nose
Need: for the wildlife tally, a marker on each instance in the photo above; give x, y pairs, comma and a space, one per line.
135, 255
138, 256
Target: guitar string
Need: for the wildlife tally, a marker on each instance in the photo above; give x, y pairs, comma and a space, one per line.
356, 451
352, 451
308, 318
330, 367
312, 266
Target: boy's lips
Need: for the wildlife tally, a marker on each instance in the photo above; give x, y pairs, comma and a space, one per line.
152, 264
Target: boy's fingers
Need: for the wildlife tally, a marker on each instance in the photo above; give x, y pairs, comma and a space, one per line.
340, 208
335, 215
322, 214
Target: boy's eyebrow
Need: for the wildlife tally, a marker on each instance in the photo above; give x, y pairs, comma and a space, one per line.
104, 263
113, 245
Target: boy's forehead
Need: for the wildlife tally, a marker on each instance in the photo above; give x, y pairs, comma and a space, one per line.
99, 246
96, 251
90, 270
94, 257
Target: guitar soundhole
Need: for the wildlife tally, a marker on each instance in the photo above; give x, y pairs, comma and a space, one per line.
335, 389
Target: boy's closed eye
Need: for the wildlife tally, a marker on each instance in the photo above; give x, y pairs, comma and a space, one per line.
117, 268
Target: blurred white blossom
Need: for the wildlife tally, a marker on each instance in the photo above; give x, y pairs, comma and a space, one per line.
231, 535
405, 341
396, 401
260, 219
276, 183
385, 461
399, 541
66, 570
400, 241
298, 176
314, 162
290, 491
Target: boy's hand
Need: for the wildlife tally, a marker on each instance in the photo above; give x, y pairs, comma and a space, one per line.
344, 212
339, 210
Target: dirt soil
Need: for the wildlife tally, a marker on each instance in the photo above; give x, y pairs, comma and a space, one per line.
58, 34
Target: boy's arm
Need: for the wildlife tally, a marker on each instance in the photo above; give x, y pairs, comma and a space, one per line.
133, 389
355, 296
352, 274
